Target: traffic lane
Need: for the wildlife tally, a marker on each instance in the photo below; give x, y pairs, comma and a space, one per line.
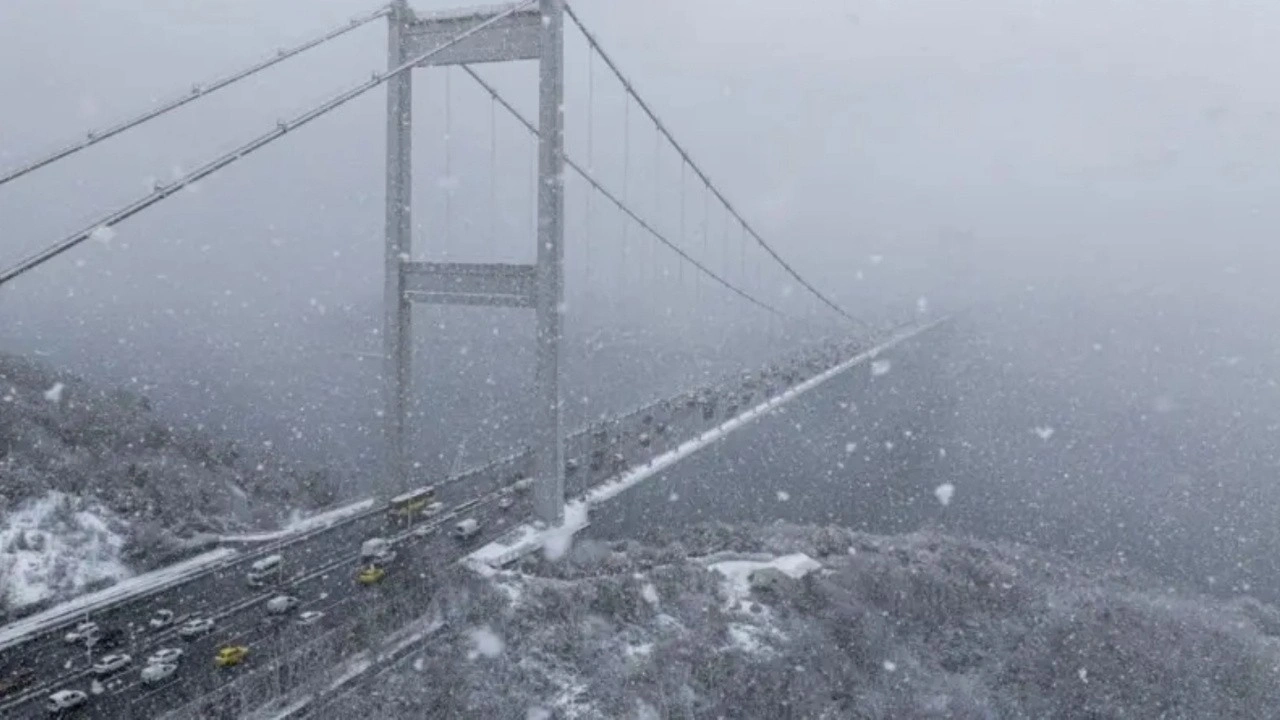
194, 592
221, 587
199, 596
265, 636
494, 520
333, 590
410, 547
247, 624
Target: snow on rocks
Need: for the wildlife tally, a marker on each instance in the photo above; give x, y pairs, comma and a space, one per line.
740, 576
57, 545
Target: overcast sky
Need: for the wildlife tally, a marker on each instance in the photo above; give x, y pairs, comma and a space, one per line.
892, 150
1053, 130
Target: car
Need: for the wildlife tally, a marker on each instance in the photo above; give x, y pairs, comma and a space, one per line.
263, 570
166, 656
65, 700
282, 604
524, 484
158, 672
310, 617
195, 628
110, 664
466, 529
16, 681
424, 530
110, 639
81, 632
230, 655
433, 508
161, 619
377, 551
505, 503
370, 574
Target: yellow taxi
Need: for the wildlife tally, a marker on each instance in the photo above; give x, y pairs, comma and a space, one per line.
370, 574
230, 655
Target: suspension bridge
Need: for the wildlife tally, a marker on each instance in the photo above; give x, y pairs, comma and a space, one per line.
675, 235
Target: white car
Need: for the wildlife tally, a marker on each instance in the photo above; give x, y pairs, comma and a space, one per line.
425, 530
466, 529
310, 617
195, 628
166, 656
282, 604
158, 672
161, 619
433, 508
66, 700
109, 664
82, 632
263, 570
376, 551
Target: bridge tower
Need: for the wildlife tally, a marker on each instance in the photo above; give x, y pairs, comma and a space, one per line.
531, 32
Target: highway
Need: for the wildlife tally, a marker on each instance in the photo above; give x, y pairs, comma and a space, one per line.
319, 566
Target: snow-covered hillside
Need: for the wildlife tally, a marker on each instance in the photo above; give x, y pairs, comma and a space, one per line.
787, 622
93, 486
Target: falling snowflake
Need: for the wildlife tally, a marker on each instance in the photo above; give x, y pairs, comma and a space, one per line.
1045, 432
890, 665
103, 234
922, 305
880, 367
54, 394
1084, 675
673, 497
944, 492
783, 495
850, 448
484, 643
876, 259
649, 593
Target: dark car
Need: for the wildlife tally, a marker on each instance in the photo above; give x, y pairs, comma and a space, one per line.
16, 681
111, 639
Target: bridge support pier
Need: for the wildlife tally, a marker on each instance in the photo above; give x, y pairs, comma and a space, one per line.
529, 33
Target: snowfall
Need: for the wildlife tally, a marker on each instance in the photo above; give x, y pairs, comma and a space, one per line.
800, 622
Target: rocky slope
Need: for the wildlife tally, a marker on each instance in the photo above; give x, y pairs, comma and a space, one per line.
791, 622
93, 486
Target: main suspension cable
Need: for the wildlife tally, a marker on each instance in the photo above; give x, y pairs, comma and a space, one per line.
282, 127
662, 128
199, 90
493, 92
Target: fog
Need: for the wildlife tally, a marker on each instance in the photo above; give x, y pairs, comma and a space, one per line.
1084, 176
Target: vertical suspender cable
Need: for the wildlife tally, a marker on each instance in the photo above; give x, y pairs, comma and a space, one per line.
657, 197
680, 267
591, 163
493, 177
626, 177
451, 183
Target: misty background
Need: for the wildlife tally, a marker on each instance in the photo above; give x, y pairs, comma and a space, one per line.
1093, 178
